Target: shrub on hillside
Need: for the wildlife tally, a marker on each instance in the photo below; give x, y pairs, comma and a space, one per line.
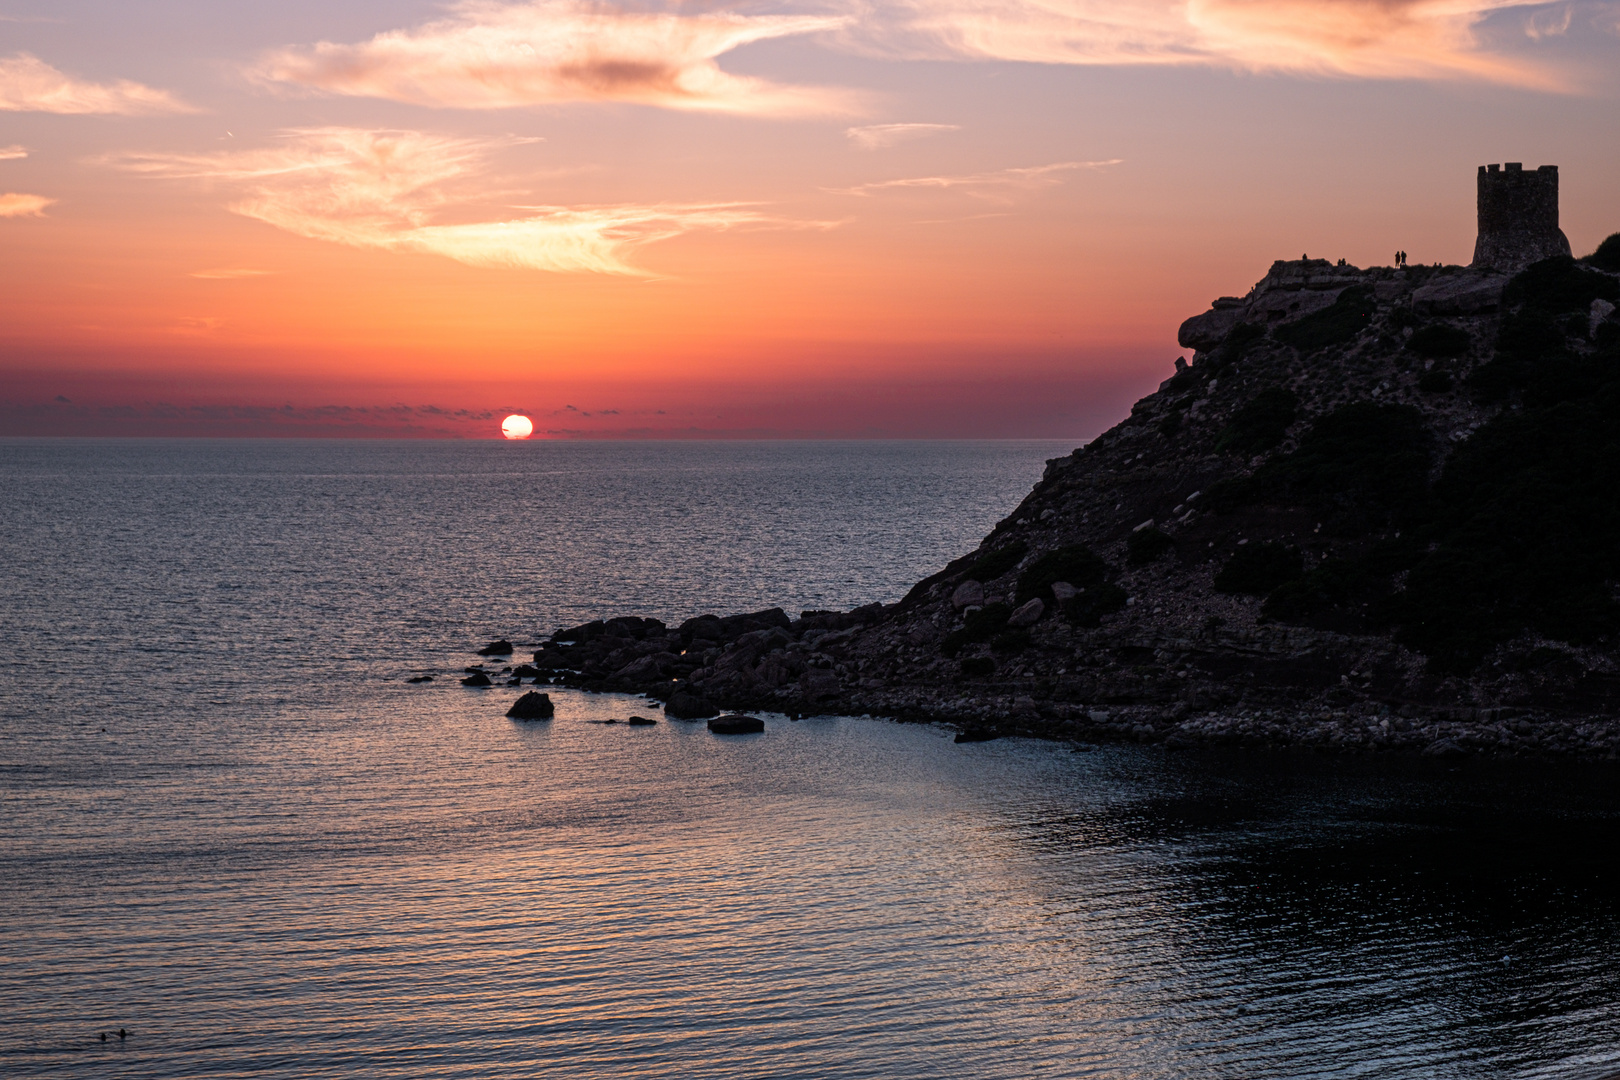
1146, 545
1348, 316
1259, 425
993, 564
1435, 381
979, 625
1607, 255
1257, 569
1439, 340
1559, 285
1010, 642
977, 667
1522, 527
1081, 567
1076, 564
1356, 466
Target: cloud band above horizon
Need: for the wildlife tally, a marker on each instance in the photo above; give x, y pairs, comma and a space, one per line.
381, 190
496, 56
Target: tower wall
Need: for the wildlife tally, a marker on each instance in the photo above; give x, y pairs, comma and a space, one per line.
1518, 217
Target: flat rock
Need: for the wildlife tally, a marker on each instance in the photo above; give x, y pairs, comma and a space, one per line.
532, 706
1460, 294
1444, 748
1027, 614
969, 592
736, 725
641, 721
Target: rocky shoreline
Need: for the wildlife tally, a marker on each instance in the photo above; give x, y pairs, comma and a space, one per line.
765, 661
1379, 512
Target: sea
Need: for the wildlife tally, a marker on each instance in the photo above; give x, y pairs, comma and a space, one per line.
236, 842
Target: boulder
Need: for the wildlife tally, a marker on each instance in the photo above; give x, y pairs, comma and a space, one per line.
778, 669
1204, 332
1027, 614
497, 648
1063, 592
685, 706
736, 725
969, 592
525, 671
1444, 748
477, 678
532, 706
1287, 305
819, 684
641, 721
645, 669
1460, 294
1601, 310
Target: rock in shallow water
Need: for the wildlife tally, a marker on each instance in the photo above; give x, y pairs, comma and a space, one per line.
477, 678
641, 721
497, 648
736, 725
532, 706
684, 706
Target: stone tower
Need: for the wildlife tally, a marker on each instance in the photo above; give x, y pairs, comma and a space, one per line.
1518, 217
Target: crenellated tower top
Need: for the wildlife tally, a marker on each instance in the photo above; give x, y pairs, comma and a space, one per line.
1518, 217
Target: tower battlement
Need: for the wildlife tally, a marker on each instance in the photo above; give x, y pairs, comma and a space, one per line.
1518, 217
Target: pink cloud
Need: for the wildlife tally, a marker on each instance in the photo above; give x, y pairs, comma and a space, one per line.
29, 84
507, 55
1377, 39
15, 205
383, 190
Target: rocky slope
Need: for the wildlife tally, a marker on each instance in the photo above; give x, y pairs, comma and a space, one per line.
1379, 510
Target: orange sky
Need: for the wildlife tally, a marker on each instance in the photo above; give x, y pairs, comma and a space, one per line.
927, 218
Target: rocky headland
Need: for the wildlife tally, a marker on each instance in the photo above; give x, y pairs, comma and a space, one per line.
1378, 511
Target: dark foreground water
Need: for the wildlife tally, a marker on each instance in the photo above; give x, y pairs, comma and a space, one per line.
228, 826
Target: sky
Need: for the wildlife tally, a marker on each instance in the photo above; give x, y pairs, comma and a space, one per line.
804, 218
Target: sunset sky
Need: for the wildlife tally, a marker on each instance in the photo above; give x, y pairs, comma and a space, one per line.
815, 218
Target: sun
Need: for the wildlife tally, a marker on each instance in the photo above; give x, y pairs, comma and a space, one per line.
517, 426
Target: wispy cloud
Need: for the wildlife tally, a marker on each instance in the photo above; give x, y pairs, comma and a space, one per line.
228, 274
29, 84
999, 186
12, 153
880, 136
1381, 39
383, 190
14, 205
491, 55
1549, 22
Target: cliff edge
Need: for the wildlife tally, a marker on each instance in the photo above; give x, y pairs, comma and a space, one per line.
1380, 509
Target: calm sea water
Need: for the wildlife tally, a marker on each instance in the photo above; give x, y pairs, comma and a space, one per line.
228, 826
